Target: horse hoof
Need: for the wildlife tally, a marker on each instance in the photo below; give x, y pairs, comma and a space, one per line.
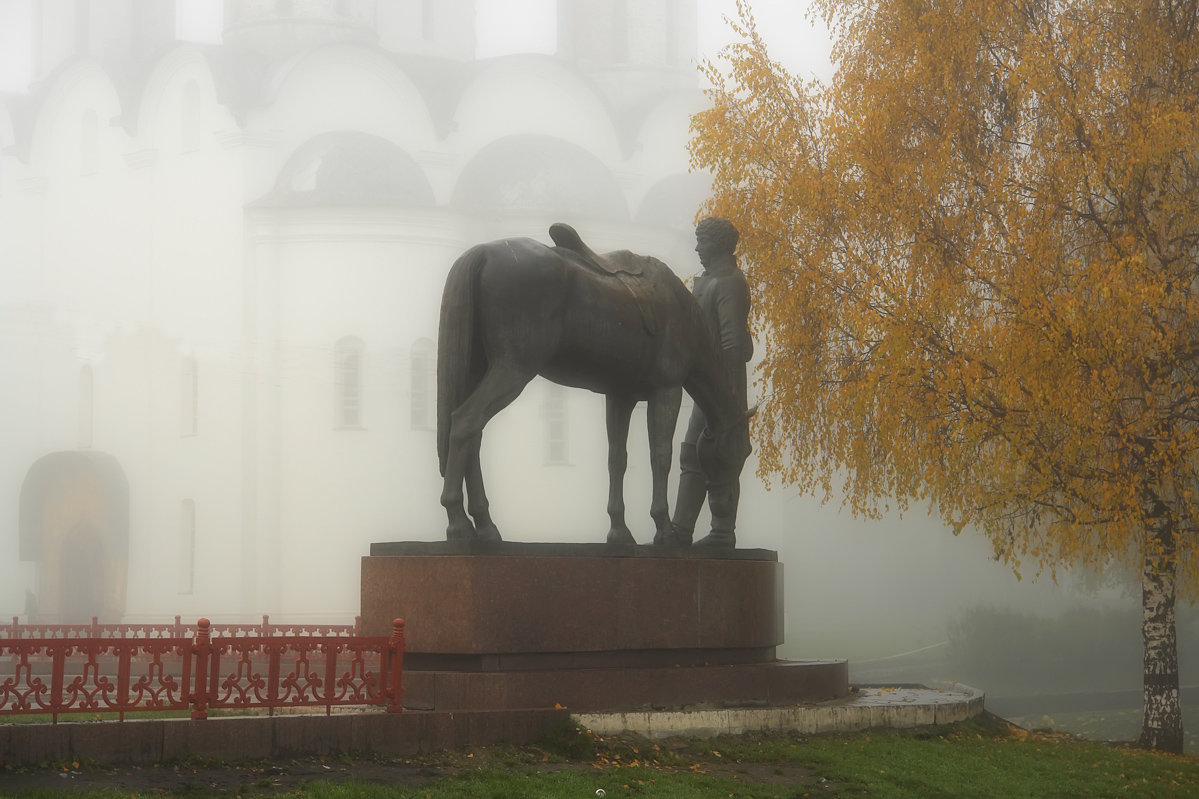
673, 538
488, 533
620, 536
460, 532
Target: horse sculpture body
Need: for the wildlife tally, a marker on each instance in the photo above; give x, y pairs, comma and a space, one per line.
619, 324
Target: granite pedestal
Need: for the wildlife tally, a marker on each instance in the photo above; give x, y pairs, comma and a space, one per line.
591, 627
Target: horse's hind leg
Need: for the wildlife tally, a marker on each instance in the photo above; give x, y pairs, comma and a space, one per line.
499, 386
476, 499
617, 411
460, 526
663, 417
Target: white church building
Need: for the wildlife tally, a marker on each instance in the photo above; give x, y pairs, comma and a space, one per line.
220, 278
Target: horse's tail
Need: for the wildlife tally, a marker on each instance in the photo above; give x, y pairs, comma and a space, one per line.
456, 349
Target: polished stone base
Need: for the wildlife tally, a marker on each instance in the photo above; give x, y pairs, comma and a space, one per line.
587, 626
629, 688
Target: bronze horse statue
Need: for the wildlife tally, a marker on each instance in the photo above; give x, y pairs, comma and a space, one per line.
619, 324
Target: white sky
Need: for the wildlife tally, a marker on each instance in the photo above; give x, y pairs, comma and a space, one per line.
503, 26
797, 39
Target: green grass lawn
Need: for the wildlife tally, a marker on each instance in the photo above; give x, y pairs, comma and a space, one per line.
985, 757
1109, 725
972, 761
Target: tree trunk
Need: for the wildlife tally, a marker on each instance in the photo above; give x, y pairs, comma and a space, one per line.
1161, 726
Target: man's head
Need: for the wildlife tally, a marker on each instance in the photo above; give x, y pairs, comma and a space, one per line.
715, 239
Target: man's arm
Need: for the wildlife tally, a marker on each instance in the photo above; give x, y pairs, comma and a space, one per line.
732, 311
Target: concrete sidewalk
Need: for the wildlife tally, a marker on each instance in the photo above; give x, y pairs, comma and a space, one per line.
400, 734
865, 707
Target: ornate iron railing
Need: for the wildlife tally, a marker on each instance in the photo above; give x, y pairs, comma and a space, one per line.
176, 629
199, 671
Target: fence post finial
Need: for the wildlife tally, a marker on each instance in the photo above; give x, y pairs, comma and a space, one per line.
395, 671
202, 650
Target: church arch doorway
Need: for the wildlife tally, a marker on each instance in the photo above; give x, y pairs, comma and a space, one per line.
74, 525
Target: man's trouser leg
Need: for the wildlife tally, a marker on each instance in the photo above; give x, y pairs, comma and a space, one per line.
693, 488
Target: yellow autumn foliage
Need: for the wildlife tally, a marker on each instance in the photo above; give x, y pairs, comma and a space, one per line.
973, 257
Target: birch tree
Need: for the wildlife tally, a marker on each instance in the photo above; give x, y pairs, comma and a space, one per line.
975, 262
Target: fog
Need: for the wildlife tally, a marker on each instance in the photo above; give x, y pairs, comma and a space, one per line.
222, 246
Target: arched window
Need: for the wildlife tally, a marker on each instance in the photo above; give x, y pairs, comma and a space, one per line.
554, 417
347, 365
428, 27
88, 134
423, 378
187, 547
188, 397
189, 118
620, 24
86, 407
672, 32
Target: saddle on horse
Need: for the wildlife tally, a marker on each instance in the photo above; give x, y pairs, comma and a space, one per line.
628, 268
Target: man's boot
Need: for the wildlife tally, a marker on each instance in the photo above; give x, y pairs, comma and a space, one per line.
718, 540
722, 501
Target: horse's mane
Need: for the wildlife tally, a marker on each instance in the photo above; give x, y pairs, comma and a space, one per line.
687, 303
708, 347
634, 267
685, 299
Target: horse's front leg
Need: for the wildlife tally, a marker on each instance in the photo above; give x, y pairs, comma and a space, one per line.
663, 417
618, 410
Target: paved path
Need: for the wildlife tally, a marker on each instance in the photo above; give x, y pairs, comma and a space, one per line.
865, 707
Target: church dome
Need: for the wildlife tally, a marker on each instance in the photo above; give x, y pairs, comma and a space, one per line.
540, 174
351, 168
671, 203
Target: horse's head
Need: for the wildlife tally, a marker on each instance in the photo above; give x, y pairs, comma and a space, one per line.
722, 452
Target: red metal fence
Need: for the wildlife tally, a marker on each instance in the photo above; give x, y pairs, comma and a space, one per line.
176, 629
199, 671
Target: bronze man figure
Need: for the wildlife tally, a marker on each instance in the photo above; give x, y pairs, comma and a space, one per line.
723, 294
